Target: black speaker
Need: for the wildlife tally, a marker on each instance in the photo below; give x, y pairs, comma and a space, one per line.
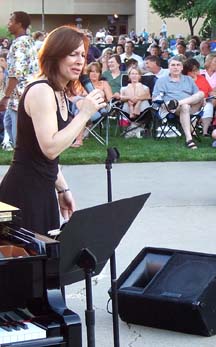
170, 289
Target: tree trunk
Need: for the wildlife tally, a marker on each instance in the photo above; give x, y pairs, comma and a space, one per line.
190, 23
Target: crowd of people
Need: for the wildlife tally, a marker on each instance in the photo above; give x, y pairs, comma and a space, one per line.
154, 56
108, 57
44, 109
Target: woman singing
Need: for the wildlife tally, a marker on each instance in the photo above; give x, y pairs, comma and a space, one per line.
44, 131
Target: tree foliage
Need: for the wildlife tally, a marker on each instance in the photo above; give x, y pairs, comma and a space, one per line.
189, 10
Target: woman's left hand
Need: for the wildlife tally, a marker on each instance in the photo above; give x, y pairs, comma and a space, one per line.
66, 204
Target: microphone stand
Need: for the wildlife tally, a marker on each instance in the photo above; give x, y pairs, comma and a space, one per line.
112, 156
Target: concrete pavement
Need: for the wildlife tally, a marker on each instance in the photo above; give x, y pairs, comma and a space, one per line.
179, 214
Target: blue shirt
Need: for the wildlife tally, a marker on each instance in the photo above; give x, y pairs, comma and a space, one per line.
171, 89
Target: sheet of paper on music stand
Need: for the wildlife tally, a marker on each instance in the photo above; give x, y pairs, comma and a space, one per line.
7, 212
100, 230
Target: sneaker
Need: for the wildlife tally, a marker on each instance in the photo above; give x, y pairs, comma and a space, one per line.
7, 147
214, 144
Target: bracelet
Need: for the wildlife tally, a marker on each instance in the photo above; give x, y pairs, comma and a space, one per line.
63, 191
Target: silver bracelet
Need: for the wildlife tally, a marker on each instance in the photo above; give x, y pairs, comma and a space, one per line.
63, 191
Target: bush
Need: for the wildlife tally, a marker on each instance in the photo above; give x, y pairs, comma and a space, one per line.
4, 33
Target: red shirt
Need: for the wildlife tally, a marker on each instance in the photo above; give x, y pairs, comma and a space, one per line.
203, 85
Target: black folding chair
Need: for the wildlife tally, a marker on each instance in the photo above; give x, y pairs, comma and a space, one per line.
169, 125
145, 120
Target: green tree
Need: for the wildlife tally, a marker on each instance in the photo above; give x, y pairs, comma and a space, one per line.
188, 10
208, 29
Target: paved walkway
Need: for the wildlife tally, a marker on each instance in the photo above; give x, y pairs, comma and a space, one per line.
180, 214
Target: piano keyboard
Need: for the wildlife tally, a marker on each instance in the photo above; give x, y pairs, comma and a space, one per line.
29, 332
14, 329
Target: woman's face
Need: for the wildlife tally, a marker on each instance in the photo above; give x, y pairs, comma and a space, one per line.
194, 73
112, 64
119, 50
105, 57
134, 75
192, 45
94, 74
72, 65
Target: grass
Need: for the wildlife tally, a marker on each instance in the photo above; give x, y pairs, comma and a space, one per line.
139, 150
132, 150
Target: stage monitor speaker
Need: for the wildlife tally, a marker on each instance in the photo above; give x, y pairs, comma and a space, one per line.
170, 289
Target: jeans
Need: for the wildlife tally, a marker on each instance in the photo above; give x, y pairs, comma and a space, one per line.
10, 124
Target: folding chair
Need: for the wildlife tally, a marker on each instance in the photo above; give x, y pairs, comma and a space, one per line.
99, 123
170, 125
167, 126
144, 120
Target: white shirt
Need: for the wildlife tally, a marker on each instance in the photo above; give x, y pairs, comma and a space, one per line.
133, 56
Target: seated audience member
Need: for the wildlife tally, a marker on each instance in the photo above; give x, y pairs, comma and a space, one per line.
181, 95
94, 72
131, 63
4, 45
154, 50
166, 53
153, 66
192, 48
205, 49
135, 95
163, 44
191, 68
100, 35
129, 54
38, 37
113, 75
103, 60
93, 52
109, 40
181, 48
122, 39
210, 69
118, 49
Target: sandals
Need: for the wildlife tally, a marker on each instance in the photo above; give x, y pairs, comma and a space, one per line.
191, 144
172, 105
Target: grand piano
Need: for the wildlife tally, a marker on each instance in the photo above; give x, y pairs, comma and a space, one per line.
33, 312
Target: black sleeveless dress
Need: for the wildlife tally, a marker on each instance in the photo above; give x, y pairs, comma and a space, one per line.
30, 181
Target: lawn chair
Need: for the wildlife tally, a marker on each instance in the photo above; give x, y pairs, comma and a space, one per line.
144, 121
169, 125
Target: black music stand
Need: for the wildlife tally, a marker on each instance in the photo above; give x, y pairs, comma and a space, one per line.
89, 239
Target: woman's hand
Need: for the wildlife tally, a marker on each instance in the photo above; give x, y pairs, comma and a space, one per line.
66, 204
92, 103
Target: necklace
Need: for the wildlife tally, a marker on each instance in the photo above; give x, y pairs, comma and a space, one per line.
62, 100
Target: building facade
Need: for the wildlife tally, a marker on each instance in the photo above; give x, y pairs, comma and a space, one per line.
120, 16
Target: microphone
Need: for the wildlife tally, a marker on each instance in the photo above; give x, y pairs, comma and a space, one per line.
88, 86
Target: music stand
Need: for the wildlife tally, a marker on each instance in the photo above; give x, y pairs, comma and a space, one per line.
89, 239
